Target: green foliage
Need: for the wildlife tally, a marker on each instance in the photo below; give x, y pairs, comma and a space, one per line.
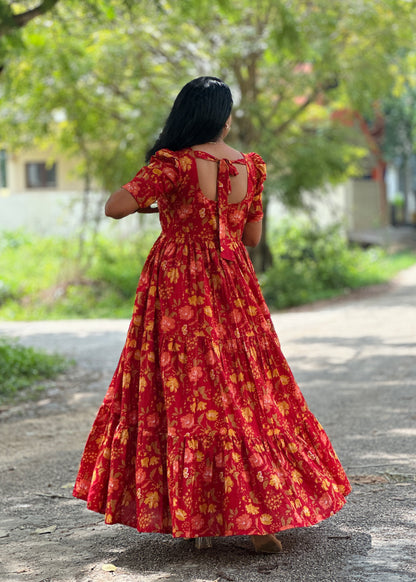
106, 72
309, 264
312, 263
21, 368
59, 287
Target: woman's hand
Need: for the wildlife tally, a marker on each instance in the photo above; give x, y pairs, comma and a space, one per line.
148, 210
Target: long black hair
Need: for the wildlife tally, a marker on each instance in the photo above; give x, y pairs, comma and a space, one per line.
198, 115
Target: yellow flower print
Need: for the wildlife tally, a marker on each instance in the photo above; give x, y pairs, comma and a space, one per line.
203, 508
275, 482
172, 384
208, 311
292, 447
325, 484
284, 380
193, 444
266, 519
297, 477
228, 484
212, 415
250, 508
212, 508
124, 436
306, 511
173, 275
152, 499
252, 310
238, 303
219, 518
283, 407
192, 300
145, 462
236, 457
202, 405
152, 290
181, 514
247, 414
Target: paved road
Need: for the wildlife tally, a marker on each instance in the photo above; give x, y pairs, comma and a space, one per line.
356, 364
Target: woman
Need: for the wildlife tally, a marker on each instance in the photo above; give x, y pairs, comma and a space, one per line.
203, 431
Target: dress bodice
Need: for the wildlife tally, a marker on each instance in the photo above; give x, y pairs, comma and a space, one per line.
171, 179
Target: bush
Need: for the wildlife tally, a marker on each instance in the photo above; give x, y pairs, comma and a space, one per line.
44, 278
311, 263
21, 368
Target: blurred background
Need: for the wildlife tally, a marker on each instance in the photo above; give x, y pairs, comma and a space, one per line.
324, 90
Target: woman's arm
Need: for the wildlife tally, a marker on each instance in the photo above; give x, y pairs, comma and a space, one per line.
252, 233
120, 204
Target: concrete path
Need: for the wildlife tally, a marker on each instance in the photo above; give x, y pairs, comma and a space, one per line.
355, 362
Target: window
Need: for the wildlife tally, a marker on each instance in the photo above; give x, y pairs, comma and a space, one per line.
3, 174
40, 175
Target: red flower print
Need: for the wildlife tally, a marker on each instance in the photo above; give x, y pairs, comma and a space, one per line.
207, 473
167, 323
187, 421
244, 521
256, 460
141, 475
325, 501
188, 456
186, 312
197, 522
184, 212
195, 373
165, 359
153, 420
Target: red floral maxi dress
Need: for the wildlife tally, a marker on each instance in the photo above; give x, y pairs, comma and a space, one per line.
204, 431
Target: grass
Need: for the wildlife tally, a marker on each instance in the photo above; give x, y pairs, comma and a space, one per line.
312, 264
47, 278
22, 368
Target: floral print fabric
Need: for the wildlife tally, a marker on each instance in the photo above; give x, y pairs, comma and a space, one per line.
204, 431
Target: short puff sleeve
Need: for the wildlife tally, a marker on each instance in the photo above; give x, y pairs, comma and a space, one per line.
255, 212
160, 176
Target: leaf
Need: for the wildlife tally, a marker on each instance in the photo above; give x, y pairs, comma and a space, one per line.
45, 530
109, 568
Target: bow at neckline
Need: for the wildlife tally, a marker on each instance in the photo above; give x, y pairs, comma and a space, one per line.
226, 168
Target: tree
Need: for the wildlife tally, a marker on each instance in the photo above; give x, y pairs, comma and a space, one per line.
291, 65
13, 17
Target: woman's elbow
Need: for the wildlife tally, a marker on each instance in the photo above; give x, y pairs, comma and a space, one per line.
110, 211
252, 234
251, 241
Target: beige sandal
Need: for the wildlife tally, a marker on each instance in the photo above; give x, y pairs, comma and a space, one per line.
267, 544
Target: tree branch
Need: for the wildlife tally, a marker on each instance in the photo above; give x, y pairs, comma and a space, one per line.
22, 19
